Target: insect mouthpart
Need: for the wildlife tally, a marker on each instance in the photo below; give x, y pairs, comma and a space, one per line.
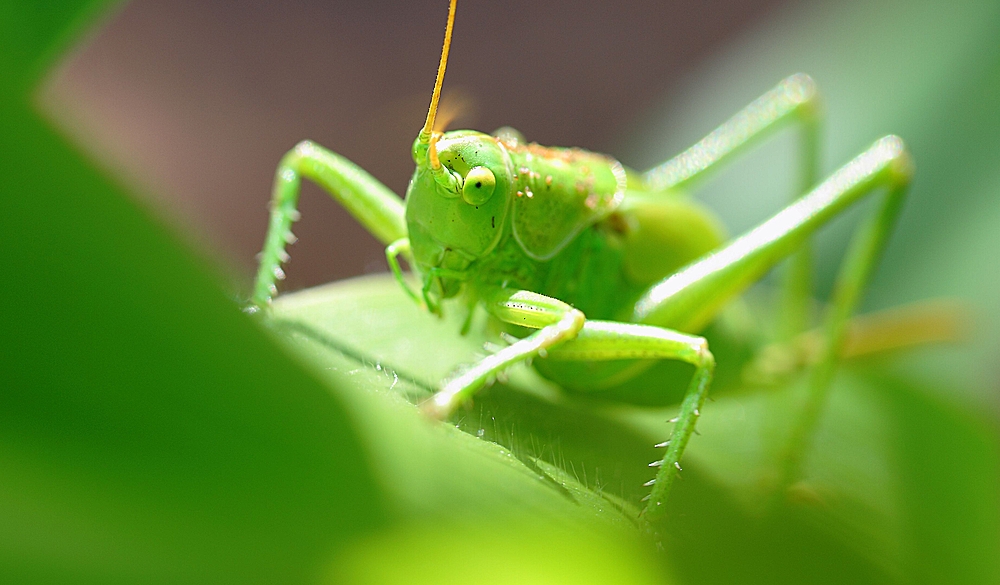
443, 279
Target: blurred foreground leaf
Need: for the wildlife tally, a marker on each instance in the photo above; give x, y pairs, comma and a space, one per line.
148, 432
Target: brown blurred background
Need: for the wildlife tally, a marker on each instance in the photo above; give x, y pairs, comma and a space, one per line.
193, 103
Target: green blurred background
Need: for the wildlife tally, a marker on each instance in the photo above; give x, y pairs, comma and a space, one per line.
150, 433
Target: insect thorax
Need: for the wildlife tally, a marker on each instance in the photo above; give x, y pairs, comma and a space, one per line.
558, 192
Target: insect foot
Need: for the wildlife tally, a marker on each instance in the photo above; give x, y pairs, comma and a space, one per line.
453, 393
434, 409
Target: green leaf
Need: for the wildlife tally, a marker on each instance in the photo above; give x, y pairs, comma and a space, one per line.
381, 354
863, 495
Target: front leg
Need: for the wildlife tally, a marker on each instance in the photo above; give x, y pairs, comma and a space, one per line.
555, 321
565, 334
377, 208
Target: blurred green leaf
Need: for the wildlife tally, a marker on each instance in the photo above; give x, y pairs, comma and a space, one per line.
529, 552
148, 431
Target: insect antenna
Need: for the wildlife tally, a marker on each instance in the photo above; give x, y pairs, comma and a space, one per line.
428, 129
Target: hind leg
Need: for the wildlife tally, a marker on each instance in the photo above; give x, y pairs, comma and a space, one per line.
793, 101
691, 297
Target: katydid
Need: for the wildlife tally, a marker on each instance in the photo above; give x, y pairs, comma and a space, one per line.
588, 262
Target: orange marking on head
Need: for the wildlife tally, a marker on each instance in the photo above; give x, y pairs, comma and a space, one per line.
432, 153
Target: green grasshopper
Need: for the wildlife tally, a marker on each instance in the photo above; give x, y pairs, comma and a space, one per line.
596, 268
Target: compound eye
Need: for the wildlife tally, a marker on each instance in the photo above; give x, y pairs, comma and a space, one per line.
479, 185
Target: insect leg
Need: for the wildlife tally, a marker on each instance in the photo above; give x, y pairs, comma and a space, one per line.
855, 271
689, 298
608, 340
555, 321
916, 324
377, 208
795, 100
392, 252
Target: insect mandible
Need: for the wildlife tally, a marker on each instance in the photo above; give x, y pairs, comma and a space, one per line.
591, 263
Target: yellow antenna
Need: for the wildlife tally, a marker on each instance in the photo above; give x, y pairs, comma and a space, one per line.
425, 132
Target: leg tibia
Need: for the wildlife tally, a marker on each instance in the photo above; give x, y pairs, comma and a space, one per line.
377, 208
855, 271
392, 253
